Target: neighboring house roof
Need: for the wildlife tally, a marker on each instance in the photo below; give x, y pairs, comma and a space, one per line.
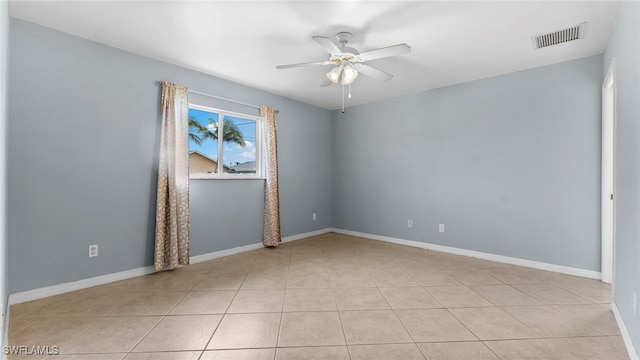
198, 153
203, 155
246, 167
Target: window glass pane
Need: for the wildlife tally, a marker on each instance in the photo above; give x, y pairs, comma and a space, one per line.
203, 142
239, 148
235, 152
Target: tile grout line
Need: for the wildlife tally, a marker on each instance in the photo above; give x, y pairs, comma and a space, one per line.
364, 260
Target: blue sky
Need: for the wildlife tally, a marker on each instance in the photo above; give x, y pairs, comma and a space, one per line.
232, 152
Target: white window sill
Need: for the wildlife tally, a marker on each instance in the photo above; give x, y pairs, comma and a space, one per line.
226, 177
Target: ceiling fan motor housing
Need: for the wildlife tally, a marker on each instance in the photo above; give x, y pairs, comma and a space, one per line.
344, 37
348, 53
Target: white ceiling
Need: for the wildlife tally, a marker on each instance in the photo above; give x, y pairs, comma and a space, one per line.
452, 42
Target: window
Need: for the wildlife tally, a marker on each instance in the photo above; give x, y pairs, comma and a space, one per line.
234, 155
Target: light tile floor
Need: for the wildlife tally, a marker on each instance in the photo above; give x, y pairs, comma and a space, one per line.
329, 297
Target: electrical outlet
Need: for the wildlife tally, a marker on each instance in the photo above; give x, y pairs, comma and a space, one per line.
314, 216
441, 228
635, 304
93, 250
410, 223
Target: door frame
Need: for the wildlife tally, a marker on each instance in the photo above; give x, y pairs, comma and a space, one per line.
608, 174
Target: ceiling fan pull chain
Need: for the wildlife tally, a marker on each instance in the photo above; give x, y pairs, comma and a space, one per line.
349, 91
343, 99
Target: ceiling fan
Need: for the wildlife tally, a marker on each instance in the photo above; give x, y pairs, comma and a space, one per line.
348, 62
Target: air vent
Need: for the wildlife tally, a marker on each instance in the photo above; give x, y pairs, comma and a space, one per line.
558, 37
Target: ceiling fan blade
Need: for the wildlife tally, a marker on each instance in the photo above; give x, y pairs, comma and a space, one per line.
326, 83
327, 62
385, 52
372, 72
328, 45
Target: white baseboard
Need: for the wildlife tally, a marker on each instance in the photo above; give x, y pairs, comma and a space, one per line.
477, 254
306, 235
218, 254
105, 279
40, 293
255, 246
633, 355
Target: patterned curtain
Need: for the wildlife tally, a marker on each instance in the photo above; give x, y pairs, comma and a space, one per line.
271, 233
172, 210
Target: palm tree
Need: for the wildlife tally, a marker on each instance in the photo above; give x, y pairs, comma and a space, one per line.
199, 128
230, 133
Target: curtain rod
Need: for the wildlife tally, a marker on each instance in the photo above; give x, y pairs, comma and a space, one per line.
223, 99
220, 98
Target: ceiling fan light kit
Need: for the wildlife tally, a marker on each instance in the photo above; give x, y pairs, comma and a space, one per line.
345, 73
349, 75
348, 62
334, 74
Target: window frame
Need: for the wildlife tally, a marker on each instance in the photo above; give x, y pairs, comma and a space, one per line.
259, 174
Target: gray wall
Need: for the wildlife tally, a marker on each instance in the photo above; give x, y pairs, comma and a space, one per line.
4, 74
510, 165
83, 140
624, 45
